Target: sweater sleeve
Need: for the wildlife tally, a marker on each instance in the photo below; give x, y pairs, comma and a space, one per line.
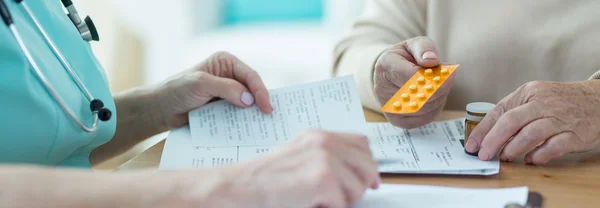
382, 24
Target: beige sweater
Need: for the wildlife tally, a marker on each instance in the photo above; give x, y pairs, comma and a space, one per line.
500, 45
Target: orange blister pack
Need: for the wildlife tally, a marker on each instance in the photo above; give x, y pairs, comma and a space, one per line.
418, 89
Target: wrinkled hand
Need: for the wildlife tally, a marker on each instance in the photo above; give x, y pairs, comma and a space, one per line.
545, 119
397, 65
318, 169
220, 76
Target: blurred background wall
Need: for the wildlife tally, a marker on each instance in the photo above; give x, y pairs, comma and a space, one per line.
145, 41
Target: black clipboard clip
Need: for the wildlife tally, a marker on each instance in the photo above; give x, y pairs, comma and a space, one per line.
534, 200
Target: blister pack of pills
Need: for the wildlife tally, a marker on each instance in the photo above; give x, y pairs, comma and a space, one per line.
418, 89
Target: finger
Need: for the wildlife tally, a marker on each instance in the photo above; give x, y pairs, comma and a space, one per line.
354, 150
356, 154
530, 136
329, 190
358, 141
332, 199
351, 181
486, 124
554, 147
507, 126
395, 70
247, 76
228, 89
362, 164
424, 51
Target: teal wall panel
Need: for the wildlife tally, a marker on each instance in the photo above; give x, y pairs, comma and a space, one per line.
249, 11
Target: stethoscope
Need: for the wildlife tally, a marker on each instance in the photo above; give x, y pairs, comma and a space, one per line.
88, 33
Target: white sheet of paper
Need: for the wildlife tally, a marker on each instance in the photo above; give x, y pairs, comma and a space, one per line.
180, 153
434, 148
332, 104
396, 196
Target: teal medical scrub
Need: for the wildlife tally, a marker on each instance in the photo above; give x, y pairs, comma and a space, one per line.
33, 127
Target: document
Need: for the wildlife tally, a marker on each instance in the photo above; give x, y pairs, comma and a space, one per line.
396, 195
330, 105
180, 153
417, 153
435, 148
220, 133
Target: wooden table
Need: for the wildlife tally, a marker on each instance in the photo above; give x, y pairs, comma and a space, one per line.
571, 181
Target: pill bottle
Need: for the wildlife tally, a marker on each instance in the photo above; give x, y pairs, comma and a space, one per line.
475, 113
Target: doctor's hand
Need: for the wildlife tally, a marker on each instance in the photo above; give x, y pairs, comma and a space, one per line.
220, 76
542, 119
398, 64
317, 169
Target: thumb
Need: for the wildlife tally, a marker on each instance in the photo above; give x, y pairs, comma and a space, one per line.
228, 89
424, 51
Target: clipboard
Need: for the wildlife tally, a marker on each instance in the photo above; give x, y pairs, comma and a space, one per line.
534, 200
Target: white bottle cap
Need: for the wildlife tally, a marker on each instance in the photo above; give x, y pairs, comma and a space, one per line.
478, 107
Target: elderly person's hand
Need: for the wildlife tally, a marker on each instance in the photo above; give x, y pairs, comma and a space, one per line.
398, 64
545, 119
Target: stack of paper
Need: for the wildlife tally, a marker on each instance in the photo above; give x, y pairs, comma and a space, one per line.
393, 196
220, 133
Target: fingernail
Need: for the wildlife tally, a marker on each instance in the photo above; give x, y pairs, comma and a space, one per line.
528, 159
375, 185
428, 55
247, 98
471, 145
483, 155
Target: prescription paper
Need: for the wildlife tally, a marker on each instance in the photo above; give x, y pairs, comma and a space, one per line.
421, 153
434, 148
396, 195
332, 104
